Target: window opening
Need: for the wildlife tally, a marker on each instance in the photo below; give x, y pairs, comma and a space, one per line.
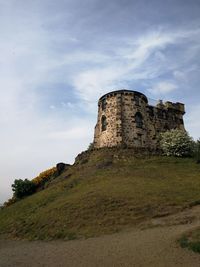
104, 104
139, 120
103, 123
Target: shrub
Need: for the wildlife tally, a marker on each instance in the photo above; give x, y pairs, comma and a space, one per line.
9, 202
60, 167
22, 188
197, 151
192, 245
176, 143
45, 176
90, 147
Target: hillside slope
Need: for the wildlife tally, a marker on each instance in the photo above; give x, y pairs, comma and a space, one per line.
105, 191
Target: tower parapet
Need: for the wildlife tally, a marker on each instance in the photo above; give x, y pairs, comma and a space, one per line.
176, 106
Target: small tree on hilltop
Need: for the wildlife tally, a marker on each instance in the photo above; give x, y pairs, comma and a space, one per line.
22, 188
176, 143
197, 151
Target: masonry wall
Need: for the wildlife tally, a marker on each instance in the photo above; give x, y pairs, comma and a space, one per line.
126, 118
112, 135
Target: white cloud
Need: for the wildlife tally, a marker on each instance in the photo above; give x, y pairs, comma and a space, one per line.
92, 83
33, 139
192, 121
162, 88
72, 133
126, 65
179, 75
148, 43
142, 59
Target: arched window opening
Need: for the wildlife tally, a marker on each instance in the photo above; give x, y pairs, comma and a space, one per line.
103, 123
139, 120
166, 127
151, 111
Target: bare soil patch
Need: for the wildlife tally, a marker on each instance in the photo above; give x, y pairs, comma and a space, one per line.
156, 247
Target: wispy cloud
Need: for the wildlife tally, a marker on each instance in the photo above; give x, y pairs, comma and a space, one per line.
118, 70
162, 88
146, 58
192, 121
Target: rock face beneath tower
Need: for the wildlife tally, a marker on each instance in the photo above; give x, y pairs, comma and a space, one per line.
126, 118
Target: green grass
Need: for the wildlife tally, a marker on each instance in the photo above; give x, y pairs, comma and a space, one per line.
103, 194
191, 240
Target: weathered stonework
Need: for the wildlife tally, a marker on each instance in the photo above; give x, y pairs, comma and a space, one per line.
126, 118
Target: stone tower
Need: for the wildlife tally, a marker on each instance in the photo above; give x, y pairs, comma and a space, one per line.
126, 118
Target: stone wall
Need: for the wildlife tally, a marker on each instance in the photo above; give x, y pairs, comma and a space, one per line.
126, 118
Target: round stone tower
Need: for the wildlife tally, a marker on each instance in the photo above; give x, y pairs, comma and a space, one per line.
121, 119
125, 118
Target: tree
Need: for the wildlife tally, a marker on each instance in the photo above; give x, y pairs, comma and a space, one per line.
197, 151
176, 143
22, 188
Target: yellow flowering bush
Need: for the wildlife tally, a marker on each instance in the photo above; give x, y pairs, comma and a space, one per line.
44, 176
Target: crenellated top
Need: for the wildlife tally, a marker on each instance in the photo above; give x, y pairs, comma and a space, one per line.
175, 106
168, 105
123, 92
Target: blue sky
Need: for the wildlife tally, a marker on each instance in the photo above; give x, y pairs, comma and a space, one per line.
58, 57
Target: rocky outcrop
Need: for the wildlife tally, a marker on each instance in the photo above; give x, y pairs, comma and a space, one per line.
60, 167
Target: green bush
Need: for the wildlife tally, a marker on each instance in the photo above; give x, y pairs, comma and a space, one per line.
177, 143
90, 147
22, 188
197, 151
10, 201
192, 245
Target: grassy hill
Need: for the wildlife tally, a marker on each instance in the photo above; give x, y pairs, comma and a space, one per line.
105, 191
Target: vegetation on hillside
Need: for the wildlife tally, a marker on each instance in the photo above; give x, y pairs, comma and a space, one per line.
197, 151
44, 177
177, 143
103, 192
23, 188
191, 240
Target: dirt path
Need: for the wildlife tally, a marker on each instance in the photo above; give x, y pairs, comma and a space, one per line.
155, 247
152, 247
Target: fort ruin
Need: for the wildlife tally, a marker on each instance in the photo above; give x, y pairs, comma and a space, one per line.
125, 118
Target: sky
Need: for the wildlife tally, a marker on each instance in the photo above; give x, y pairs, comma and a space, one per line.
58, 57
